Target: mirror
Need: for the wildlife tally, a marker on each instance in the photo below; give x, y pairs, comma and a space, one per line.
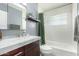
16, 17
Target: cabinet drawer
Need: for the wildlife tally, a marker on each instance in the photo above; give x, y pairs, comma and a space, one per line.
15, 52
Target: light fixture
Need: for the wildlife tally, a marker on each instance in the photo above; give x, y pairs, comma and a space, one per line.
19, 5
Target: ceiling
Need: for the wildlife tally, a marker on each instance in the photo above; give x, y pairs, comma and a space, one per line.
42, 7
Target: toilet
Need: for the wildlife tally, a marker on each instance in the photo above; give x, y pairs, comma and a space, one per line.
46, 50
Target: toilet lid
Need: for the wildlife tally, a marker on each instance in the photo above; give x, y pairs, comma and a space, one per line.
45, 47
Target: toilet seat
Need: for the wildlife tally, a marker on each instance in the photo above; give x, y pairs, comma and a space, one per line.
46, 49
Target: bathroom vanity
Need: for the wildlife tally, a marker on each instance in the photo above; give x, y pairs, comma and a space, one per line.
24, 47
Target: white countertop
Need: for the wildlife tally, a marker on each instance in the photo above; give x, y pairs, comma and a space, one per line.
7, 45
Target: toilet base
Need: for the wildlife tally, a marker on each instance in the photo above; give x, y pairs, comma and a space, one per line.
46, 50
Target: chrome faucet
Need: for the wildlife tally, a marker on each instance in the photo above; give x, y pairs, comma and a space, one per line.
21, 34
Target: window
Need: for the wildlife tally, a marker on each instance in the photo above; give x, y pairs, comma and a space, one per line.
60, 19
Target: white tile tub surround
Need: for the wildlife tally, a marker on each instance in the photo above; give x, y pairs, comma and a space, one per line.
61, 36
8, 45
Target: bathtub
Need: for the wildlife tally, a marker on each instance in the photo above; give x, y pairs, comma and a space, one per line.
60, 49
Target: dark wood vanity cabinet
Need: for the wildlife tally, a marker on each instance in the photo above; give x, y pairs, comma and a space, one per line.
31, 49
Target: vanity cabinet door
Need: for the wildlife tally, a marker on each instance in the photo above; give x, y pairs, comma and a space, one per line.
32, 49
3, 16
